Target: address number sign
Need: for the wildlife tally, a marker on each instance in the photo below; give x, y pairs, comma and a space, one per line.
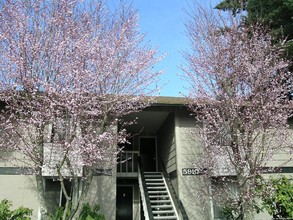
191, 171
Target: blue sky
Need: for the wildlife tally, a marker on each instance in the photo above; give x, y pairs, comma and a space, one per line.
163, 22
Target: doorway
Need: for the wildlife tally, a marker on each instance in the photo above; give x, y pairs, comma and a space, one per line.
148, 153
124, 202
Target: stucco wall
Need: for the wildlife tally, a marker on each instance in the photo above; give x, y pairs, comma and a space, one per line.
21, 191
103, 192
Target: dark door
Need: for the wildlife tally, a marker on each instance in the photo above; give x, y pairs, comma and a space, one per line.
148, 154
124, 203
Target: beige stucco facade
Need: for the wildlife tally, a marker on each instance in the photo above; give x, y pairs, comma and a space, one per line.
21, 190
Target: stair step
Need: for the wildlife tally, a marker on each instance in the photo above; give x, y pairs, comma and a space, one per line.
156, 184
157, 192
159, 196
156, 187
170, 212
160, 201
154, 180
165, 217
162, 207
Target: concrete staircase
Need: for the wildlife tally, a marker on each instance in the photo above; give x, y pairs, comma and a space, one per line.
159, 196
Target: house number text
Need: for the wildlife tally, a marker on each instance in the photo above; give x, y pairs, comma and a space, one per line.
191, 171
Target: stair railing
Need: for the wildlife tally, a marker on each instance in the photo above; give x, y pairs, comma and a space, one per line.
173, 202
146, 204
177, 202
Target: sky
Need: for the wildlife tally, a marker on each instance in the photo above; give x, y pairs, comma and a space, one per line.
163, 22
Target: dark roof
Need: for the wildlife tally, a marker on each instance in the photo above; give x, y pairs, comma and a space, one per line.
165, 100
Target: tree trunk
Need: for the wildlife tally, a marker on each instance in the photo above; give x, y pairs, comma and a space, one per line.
82, 199
245, 199
67, 197
246, 211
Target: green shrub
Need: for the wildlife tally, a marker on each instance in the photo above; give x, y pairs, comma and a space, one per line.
20, 213
230, 210
91, 213
87, 213
58, 214
277, 197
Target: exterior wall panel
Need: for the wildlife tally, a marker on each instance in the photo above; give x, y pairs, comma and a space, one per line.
283, 158
21, 191
103, 192
167, 144
193, 189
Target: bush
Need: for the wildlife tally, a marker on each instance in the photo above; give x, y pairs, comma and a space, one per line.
20, 213
58, 214
91, 213
230, 210
87, 213
277, 197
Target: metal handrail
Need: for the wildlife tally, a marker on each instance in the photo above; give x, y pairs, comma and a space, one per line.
144, 194
177, 202
173, 202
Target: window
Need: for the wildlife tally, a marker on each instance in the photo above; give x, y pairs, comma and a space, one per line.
54, 193
224, 195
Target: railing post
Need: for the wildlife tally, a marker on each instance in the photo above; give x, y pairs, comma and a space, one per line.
144, 194
127, 160
177, 202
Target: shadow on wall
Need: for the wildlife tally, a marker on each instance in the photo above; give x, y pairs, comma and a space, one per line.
103, 192
195, 197
21, 191
6, 159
